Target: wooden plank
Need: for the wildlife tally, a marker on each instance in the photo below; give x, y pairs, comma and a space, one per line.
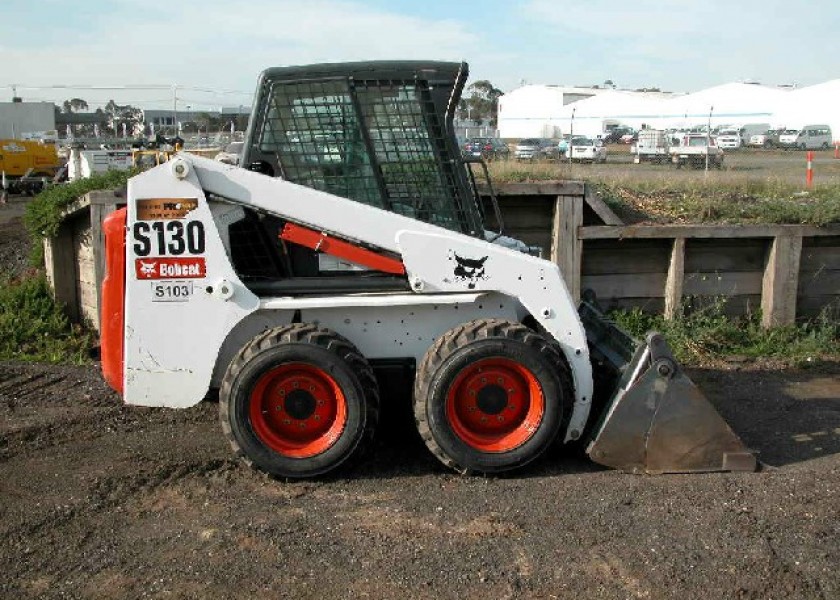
525, 218
734, 306
62, 266
87, 294
89, 303
821, 242
602, 257
649, 305
814, 306
641, 285
600, 208
544, 188
103, 197
674, 281
780, 282
817, 258
702, 255
722, 283
819, 283
706, 231
566, 248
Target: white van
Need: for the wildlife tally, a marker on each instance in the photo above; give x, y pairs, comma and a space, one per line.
810, 137
729, 139
748, 130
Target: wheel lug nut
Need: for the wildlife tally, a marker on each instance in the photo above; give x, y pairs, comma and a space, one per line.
302, 425
500, 380
512, 406
483, 419
483, 380
500, 418
320, 403
295, 385
287, 421
311, 388
317, 417
471, 409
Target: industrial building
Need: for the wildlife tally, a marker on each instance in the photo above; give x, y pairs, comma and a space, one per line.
19, 118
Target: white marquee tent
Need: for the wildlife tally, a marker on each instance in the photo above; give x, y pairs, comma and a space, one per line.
814, 105
541, 114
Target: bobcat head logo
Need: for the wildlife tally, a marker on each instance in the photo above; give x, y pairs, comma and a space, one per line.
147, 268
469, 269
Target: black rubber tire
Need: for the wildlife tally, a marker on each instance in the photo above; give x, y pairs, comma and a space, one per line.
322, 348
459, 348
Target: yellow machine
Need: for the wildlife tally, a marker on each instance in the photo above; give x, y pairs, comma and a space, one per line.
26, 167
22, 157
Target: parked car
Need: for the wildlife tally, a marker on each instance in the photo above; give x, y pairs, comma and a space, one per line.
629, 138
487, 148
810, 137
536, 149
748, 130
697, 150
729, 139
768, 139
585, 149
232, 153
615, 134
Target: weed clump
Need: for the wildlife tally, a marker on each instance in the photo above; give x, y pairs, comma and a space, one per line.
707, 334
34, 328
43, 215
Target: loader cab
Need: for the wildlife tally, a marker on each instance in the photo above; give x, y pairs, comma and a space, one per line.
379, 133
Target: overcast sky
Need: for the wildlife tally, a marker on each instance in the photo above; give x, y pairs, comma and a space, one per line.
222, 45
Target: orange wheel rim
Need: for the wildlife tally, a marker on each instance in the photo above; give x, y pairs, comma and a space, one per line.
495, 405
297, 410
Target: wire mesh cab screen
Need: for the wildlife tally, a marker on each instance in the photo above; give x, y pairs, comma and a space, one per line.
376, 141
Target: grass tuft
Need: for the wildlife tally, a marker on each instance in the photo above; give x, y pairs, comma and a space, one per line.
34, 328
708, 334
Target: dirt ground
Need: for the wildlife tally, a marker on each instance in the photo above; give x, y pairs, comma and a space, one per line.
101, 500
14, 240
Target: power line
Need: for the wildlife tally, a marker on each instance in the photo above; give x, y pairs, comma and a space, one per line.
125, 87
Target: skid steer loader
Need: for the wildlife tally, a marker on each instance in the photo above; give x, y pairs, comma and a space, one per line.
354, 240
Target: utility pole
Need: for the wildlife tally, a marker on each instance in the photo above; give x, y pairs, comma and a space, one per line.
569, 147
709, 137
175, 108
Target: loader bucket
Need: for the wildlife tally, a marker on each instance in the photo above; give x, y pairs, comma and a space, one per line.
656, 420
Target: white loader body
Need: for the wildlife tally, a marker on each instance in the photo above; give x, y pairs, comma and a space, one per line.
176, 348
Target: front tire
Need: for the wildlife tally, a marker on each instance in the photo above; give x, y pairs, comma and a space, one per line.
491, 396
298, 401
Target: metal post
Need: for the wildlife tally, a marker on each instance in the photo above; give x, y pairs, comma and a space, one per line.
175, 108
809, 170
571, 136
708, 137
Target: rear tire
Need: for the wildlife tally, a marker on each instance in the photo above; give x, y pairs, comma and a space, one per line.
298, 401
491, 396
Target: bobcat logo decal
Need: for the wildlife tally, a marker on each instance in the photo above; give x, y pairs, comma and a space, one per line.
147, 268
468, 269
